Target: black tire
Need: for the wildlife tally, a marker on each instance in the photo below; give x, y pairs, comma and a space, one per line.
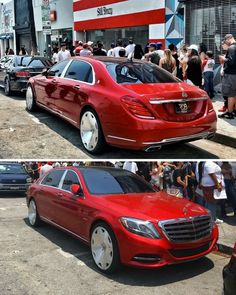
115, 264
33, 221
100, 144
7, 87
31, 105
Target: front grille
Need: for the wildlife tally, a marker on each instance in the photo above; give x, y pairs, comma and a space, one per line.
181, 253
187, 229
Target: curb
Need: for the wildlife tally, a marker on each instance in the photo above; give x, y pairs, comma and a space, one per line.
225, 249
224, 139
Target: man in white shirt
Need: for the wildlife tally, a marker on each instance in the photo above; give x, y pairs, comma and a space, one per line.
116, 50
130, 166
45, 168
130, 48
63, 53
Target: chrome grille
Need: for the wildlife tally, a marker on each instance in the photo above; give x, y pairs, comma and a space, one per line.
188, 229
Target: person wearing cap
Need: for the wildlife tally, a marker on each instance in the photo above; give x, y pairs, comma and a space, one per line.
86, 51
130, 48
152, 55
63, 53
229, 77
78, 48
194, 66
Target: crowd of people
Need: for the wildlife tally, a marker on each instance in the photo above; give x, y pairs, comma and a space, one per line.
210, 184
193, 64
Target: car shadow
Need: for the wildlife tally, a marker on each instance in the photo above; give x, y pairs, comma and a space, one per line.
127, 275
71, 134
17, 95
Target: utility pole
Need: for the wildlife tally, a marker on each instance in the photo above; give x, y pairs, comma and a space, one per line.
46, 26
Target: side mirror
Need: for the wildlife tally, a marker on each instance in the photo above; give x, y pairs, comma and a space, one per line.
45, 72
76, 189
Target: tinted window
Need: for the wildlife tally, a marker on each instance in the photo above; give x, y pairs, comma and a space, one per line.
12, 169
71, 178
102, 182
36, 63
53, 178
138, 73
59, 68
80, 71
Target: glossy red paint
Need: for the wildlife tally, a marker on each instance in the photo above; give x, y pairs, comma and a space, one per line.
78, 214
68, 99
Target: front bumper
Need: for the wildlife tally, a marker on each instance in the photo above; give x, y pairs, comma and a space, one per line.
149, 253
14, 187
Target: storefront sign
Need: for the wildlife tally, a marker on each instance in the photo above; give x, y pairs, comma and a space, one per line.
104, 11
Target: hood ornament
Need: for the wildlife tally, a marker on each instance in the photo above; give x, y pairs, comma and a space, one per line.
184, 95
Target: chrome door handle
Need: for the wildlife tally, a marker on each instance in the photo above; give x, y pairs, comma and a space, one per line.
77, 87
54, 81
60, 195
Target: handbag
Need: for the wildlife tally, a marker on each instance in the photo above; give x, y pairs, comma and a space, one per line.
220, 195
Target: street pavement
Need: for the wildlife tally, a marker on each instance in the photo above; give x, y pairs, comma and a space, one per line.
48, 261
45, 136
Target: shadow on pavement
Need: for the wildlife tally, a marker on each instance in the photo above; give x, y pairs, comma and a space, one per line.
127, 275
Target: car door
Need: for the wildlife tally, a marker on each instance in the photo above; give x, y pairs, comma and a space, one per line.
48, 194
74, 89
47, 85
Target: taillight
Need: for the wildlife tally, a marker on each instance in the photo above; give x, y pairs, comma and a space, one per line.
137, 108
210, 106
22, 74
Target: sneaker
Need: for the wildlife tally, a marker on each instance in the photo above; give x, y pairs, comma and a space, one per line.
234, 113
226, 115
219, 221
222, 110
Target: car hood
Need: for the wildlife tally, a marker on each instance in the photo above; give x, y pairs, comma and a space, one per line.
6, 177
166, 90
152, 206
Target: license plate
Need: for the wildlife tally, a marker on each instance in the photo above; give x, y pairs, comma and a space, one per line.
182, 108
14, 187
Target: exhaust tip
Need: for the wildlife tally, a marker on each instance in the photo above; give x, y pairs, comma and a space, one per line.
153, 148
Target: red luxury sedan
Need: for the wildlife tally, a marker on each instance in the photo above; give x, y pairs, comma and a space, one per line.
121, 217
125, 103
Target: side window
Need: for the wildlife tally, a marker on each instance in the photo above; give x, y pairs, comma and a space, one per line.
53, 178
58, 68
70, 178
80, 71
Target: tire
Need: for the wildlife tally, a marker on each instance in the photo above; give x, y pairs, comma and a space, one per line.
31, 105
91, 133
109, 261
33, 216
7, 87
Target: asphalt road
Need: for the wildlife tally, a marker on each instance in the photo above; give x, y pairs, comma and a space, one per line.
45, 136
48, 261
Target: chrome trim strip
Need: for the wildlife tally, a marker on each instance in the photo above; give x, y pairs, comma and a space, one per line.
177, 100
67, 230
176, 139
121, 138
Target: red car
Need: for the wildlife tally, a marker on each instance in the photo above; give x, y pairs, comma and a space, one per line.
121, 218
125, 103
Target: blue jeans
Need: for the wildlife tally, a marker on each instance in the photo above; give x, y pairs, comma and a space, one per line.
208, 83
231, 193
212, 207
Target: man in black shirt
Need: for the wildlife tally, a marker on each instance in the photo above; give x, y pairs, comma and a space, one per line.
229, 78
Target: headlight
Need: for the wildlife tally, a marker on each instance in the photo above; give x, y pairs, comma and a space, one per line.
29, 180
140, 227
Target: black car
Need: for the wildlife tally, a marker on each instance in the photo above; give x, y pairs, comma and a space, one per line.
229, 275
15, 71
13, 177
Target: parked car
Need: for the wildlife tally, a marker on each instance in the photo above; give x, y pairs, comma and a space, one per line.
128, 104
229, 275
15, 71
121, 217
13, 177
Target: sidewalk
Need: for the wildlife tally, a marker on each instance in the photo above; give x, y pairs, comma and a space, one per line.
227, 235
226, 129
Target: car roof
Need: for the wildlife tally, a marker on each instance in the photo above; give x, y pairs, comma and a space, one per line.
109, 59
83, 168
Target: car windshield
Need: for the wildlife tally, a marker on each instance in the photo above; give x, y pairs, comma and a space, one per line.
109, 182
23, 60
11, 169
138, 73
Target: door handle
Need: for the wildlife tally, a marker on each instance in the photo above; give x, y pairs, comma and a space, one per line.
77, 87
54, 81
60, 195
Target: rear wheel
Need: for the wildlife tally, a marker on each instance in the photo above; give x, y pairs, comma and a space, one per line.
30, 100
7, 87
104, 248
33, 216
91, 132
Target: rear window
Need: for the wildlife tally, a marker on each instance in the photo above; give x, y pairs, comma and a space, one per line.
12, 169
138, 73
23, 60
108, 182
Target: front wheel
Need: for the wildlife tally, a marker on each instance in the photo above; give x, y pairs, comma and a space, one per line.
91, 132
104, 248
31, 105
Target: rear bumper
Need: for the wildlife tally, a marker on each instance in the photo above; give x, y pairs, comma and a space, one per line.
19, 85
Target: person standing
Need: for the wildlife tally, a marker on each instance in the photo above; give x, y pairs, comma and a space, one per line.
86, 51
100, 51
45, 168
208, 73
129, 49
194, 66
152, 55
63, 53
130, 166
179, 181
117, 49
168, 62
55, 55
110, 51
78, 48
229, 77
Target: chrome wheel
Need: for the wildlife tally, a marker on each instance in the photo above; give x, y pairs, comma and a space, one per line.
29, 98
89, 131
102, 248
7, 87
32, 212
